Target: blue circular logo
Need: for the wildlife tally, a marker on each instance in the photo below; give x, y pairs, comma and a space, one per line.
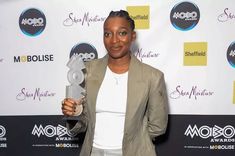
231, 54
86, 51
32, 22
184, 16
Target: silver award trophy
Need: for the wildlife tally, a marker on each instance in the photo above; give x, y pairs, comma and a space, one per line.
76, 78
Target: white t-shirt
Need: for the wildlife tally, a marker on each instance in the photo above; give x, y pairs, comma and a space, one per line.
110, 111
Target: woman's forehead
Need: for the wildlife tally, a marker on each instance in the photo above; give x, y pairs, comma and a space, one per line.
116, 21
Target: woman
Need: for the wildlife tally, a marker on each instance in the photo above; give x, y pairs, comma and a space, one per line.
125, 106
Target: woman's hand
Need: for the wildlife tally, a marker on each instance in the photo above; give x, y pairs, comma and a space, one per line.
71, 107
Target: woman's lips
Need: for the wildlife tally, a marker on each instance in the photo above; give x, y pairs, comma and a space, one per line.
115, 48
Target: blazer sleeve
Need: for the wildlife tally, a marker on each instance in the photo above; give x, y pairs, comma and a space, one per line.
80, 125
157, 110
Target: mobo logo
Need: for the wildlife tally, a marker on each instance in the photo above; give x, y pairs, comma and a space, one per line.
206, 131
2, 131
231, 54
32, 22
50, 131
184, 16
86, 51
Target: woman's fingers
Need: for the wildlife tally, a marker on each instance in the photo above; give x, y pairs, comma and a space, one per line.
71, 107
68, 106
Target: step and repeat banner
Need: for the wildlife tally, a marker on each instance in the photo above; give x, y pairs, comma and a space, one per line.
192, 42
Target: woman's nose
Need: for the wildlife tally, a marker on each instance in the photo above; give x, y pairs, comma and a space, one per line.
115, 38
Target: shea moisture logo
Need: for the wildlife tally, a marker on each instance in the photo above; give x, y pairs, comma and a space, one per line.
185, 16
194, 93
37, 94
85, 19
3, 139
140, 54
60, 133
32, 22
227, 15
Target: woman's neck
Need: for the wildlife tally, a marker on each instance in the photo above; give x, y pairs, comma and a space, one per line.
119, 66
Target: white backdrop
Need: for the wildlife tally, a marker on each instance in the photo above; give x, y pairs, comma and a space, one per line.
21, 82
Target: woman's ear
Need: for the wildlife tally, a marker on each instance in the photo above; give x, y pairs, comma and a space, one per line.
133, 35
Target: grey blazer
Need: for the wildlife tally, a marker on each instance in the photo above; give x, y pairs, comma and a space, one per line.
146, 111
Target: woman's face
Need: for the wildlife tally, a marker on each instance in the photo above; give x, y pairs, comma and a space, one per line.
118, 37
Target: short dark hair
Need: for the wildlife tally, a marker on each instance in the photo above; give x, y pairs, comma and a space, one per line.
123, 14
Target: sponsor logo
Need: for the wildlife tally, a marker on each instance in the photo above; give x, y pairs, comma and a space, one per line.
57, 145
220, 137
59, 133
85, 19
184, 16
222, 147
37, 94
86, 51
2, 132
34, 58
32, 22
140, 54
195, 53
3, 145
213, 147
205, 131
3, 139
231, 54
194, 93
141, 15
50, 131
66, 145
226, 16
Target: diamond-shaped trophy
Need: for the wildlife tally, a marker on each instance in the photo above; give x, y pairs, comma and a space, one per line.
75, 76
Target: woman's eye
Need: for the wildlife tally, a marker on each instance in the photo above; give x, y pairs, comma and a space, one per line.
107, 34
122, 33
